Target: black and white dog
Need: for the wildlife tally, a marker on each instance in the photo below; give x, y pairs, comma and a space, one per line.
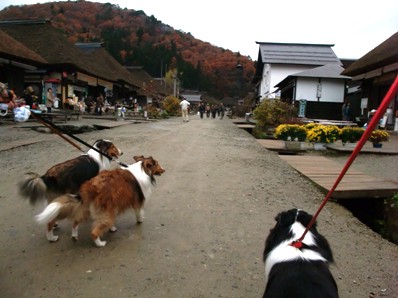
297, 272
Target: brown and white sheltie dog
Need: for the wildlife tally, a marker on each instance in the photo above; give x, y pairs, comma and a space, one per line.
297, 272
104, 197
68, 176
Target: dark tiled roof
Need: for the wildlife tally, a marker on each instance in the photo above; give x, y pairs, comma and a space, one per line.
13, 49
332, 71
384, 54
297, 53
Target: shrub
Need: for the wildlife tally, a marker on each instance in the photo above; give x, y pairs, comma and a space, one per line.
291, 132
272, 112
171, 104
164, 114
323, 133
378, 136
153, 112
351, 134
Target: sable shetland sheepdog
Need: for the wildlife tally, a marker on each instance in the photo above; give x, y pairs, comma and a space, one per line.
68, 176
297, 272
104, 197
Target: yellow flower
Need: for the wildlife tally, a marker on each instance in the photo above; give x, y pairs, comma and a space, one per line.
378, 136
291, 132
323, 133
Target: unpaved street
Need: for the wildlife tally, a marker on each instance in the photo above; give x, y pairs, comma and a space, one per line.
204, 226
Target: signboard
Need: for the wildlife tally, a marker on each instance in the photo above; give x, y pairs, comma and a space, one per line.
302, 107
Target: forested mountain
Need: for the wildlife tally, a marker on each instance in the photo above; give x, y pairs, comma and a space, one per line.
136, 39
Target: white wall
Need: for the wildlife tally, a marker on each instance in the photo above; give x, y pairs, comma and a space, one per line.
274, 74
332, 90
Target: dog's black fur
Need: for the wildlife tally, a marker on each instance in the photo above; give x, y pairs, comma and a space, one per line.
298, 276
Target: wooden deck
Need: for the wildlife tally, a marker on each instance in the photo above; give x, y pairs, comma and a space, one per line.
354, 184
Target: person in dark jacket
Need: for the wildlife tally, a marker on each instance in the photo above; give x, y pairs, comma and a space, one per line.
30, 97
202, 109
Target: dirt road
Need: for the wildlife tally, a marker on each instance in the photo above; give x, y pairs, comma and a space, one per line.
205, 224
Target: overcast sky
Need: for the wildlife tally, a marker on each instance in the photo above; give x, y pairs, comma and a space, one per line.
355, 27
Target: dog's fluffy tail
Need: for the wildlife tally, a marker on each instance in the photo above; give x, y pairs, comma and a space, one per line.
65, 206
49, 214
32, 187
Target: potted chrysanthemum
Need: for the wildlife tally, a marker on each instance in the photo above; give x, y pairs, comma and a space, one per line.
350, 134
322, 134
292, 134
378, 136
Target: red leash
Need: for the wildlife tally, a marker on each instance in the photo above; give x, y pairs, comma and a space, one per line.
373, 122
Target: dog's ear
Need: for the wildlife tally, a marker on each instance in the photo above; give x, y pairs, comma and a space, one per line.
304, 218
287, 218
139, 157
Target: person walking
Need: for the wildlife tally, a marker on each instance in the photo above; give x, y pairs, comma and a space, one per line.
202, 110
214, 109
221, 109
184, 109
49, 100
207, 110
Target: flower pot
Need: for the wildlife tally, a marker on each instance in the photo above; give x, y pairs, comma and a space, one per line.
319, 146
377, 145
292, 145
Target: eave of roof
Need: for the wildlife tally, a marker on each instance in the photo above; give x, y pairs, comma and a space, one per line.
384, 54
52, 44
13, 48
331, 71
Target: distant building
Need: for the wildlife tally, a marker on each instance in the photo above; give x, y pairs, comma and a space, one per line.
276, 61
317, 92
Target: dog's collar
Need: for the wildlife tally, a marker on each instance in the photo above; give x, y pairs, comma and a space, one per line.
297, 244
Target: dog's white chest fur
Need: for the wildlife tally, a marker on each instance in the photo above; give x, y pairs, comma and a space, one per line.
143, 179
285, 252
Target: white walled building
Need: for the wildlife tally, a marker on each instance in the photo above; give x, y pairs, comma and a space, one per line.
276, 61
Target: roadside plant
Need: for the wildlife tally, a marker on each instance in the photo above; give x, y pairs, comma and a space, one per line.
171, 105
311, 125
291, 132
378, 136
273, 112
351, 134
323, 134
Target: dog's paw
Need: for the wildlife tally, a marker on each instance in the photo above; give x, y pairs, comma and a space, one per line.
53, 238
100, 243
113, 229
75, 233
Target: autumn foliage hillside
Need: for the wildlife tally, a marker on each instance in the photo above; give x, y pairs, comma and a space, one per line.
134, 38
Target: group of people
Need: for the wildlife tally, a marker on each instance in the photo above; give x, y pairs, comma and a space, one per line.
214, 110
211, 110
9, 100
